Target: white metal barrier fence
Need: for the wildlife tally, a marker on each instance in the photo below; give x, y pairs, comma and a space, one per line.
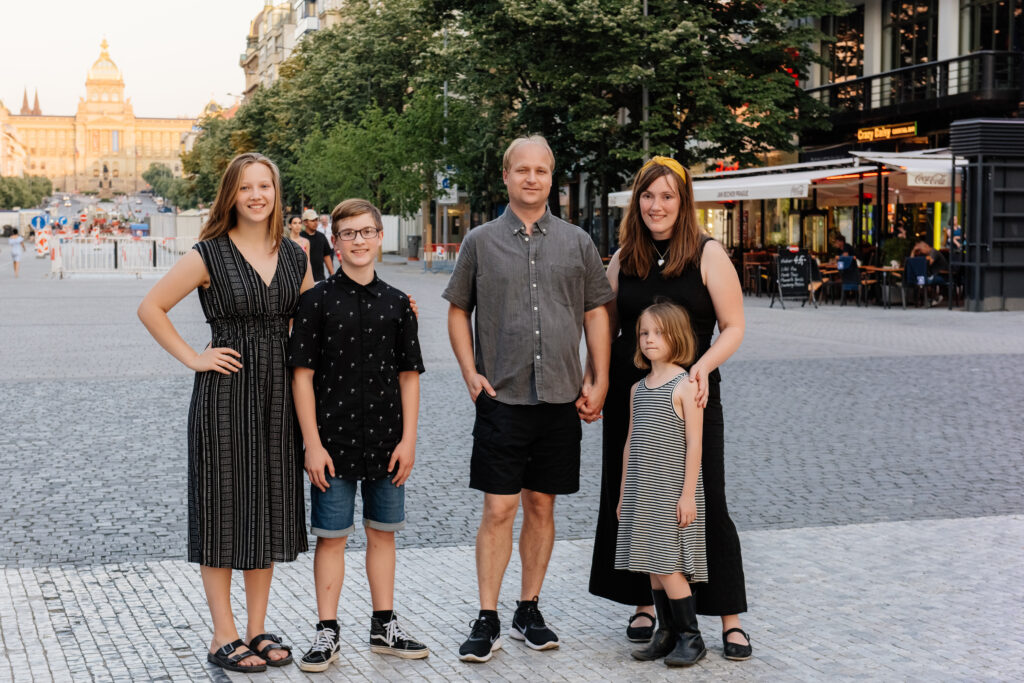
117, 254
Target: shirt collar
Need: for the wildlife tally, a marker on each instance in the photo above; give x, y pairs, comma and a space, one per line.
511, 221
375, 286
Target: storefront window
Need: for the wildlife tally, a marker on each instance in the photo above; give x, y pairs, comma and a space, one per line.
991, 25
909, 31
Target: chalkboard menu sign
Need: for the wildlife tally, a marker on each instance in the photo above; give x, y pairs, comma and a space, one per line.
792, 277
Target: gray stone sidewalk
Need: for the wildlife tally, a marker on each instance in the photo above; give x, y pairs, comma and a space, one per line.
874, 470
931, 600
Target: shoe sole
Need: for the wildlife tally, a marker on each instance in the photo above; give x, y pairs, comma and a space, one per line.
686, 664
738, 659
639, 640
316, 668
495, 646
404, 654
518, 635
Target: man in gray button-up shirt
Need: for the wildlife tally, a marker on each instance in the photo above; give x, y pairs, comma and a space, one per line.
536, 284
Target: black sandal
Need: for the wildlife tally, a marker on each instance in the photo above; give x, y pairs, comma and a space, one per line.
275, 644
734, 651
640, 634
225, 660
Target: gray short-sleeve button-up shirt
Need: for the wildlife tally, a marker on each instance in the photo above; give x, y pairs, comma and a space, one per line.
529, 292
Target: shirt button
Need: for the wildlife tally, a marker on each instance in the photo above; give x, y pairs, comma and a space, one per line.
535, 308
527, 239
533, 263
534, 284
536, 331
538, 357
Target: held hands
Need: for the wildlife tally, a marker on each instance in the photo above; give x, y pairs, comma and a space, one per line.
477, 383
317, 459
699, 374
591, 400
220, 359
401, 462
686, 510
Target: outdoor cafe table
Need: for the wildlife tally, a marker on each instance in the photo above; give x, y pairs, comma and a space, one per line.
885, 271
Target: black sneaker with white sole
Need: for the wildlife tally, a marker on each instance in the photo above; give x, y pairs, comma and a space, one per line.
389, 638
484, 639
528, 626
323, 651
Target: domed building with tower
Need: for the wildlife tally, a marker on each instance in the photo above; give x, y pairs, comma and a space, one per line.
104, 147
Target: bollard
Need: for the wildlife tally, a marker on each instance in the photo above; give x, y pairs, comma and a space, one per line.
115, 253
154, 254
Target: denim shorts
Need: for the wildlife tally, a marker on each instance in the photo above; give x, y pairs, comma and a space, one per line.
332, 510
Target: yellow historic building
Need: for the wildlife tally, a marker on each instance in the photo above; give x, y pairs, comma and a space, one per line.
104, 147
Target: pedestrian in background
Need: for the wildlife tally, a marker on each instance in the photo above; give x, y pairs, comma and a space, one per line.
536, 283
16, 243
320, 253
324, 228
294, 233
356, 365
661, 500
665, 257
245, 492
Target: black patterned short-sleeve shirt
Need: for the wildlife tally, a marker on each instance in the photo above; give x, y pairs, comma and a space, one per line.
356, 339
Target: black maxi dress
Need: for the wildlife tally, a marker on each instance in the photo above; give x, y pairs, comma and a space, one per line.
725, 591
245, 488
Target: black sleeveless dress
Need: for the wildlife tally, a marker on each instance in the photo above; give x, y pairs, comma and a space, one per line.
725, 591
245, 479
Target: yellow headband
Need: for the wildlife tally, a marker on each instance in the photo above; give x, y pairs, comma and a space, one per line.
668, 163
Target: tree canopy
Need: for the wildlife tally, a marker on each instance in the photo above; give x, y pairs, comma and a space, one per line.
358, 108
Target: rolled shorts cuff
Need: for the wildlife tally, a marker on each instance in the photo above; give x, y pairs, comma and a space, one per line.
332, 533
384, 526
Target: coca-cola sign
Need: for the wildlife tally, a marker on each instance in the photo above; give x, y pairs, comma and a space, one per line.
928, 179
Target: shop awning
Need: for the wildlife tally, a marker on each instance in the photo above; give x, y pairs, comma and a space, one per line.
922, 170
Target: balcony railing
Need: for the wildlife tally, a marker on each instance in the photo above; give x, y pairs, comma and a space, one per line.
987, 75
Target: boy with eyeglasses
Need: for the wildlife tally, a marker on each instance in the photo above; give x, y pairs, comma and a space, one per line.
356, 361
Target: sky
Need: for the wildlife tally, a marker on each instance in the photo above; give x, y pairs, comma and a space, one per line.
174, 55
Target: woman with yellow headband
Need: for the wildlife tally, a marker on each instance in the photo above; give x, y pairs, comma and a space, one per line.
663, 256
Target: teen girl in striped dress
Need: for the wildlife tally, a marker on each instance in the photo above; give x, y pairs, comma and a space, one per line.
661, 505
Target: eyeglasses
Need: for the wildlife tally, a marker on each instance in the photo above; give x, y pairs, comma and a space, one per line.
349, 235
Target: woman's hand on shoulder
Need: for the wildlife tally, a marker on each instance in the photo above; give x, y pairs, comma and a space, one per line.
698, 384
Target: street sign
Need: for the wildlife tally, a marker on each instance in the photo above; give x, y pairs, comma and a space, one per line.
447, 191
38, 222
63, 220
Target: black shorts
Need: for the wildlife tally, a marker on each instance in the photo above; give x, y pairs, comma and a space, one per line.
517, 447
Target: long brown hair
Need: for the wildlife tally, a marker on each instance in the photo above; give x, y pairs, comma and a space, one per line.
636, 246
223, 217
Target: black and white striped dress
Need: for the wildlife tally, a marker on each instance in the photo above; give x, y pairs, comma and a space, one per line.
245, 479
650, 539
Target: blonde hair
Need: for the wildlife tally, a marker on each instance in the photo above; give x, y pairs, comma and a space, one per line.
354, 207
223, 216
506, 160
636, 247
676, 330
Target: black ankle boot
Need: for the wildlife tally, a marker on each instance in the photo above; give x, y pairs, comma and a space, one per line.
664, 638
689, 647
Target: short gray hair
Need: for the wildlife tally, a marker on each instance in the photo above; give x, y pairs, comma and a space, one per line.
506, 160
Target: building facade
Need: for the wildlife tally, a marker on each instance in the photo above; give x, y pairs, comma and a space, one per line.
104, 147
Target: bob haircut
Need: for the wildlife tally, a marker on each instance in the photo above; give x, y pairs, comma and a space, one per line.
506, 160
636, 247
354, 207
223, 216
675, 329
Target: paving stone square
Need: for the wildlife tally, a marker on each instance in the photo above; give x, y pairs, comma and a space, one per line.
874, 469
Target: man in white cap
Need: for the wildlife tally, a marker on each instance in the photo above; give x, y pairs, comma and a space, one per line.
319, 248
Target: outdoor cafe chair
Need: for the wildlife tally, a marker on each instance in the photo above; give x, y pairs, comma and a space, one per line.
849, 279
915, 277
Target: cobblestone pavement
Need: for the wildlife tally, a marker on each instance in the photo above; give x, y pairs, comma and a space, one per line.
867, 451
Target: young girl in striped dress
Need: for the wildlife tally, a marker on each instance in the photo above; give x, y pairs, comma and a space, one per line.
661, 506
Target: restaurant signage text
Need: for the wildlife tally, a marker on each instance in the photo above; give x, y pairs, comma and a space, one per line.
888, 132
928, 179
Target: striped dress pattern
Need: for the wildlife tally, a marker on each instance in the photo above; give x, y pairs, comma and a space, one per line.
246, 508
650, 539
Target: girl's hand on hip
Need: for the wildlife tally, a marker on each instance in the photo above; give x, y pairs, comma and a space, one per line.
218, 359
686, 511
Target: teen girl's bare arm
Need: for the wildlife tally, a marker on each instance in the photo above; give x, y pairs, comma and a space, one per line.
723, 284
186, 275
685, 398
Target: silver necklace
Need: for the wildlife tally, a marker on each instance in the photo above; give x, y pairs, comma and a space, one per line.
661, 257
